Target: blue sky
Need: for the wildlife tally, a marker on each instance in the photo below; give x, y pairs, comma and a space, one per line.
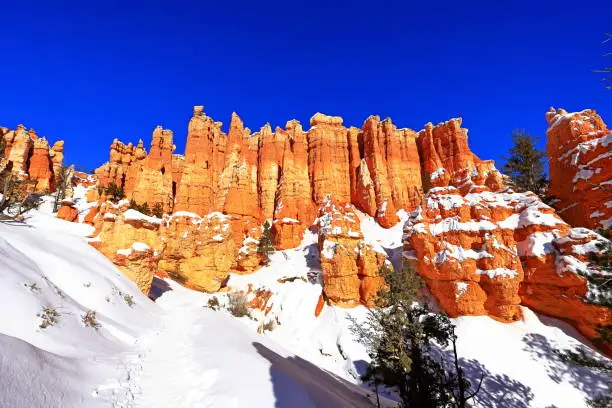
88, 72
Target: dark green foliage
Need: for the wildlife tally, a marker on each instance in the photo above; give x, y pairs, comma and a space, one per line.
213, 303
143, 208
602, 261
2, 146
400, 335
600, 401
157, 210
237, 304
16, 198
525, 165
582, 356
265, 246
115, 191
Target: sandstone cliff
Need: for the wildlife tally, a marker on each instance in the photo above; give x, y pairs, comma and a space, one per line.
29, 157
579, 147
482, 248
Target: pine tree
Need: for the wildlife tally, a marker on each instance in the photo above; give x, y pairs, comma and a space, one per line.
265, 246
115, 191
525, 166
157, 210
399, 336
602, 261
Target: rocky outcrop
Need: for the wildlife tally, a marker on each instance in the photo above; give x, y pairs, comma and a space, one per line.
68, 211
350, 266
153, 174
41, 166
29, 157
281, 175
204, 160
579, 147
483, 249
197, 251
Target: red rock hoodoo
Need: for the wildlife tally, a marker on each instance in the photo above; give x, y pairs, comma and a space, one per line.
30, 157
482, 248
579, 147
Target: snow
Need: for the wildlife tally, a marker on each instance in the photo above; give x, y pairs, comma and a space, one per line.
133, 215
176, 352
186, 214
453, 224
498, 272
290, 221
462, 287
537, 244
46, 267
583, 174
329, 249
460, 253
437, 173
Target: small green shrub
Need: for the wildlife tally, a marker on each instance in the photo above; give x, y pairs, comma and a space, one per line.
129, 299
49, 317
33, 287
89, 319
213, 303
238, 304
268, 325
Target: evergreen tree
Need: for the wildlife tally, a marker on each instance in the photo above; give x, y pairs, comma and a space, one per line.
399, 337
115, 191
525, 165
157, 210
602, 261
265, 246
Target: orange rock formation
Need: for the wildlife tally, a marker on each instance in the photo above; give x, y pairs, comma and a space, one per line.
579, 149
484, 250
481, 248
29, 157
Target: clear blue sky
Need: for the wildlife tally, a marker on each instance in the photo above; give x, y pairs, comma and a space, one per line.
88, 72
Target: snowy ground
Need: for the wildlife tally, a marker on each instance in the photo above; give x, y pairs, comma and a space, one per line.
177, 352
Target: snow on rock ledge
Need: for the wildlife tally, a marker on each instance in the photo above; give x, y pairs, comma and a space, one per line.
490, 251
350, 266
579, 147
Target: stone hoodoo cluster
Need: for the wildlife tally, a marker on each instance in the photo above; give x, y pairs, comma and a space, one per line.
579, 147
282, 175
30, 157
287, 176
482, 248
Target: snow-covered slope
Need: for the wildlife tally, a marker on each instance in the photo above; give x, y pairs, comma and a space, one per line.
47, 275
177, 352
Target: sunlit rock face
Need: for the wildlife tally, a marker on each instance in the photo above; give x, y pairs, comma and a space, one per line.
481, 248
350, 266
484, 249
29, 157
579, 147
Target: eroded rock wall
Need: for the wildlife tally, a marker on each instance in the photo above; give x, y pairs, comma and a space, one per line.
579, 147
